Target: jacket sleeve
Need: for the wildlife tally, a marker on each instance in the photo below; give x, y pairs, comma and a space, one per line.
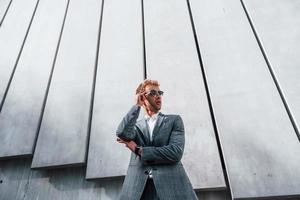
126, 129
170, 153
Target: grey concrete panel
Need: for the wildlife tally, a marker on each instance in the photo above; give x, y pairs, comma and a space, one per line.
277, 25
64, 129
260, 147
18, 182
3, 8
20, 115
172, 59
120, 70
12, 34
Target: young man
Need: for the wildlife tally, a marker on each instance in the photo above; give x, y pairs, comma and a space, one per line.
157, 143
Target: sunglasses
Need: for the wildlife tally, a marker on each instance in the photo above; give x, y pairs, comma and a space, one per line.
155, 93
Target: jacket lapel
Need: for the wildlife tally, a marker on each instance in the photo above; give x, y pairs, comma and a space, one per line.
158, 123
143, 126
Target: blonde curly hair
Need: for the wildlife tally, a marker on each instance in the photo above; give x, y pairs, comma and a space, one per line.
142, 86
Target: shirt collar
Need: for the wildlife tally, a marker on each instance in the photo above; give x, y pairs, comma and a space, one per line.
153, 117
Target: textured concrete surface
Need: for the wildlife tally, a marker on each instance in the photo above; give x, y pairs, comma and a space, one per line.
172, 59
19, 182
253, 116
277, 28
260, 147
12, 35
120, 70
20, 115
63, 135
3, 8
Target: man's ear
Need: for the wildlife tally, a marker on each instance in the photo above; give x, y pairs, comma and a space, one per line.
144, 97
144, 105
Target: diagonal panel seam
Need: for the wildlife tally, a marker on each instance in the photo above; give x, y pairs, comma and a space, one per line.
94, 83
1, 21
291, 117
18, 58
51, 74
208, 98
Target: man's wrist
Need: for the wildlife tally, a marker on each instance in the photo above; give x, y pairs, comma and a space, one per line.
138, 150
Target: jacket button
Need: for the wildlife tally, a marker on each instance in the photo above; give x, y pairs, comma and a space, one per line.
146, 172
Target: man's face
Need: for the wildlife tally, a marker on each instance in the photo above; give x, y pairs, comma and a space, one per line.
153, 102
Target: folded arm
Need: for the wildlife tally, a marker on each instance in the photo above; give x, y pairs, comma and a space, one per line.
170, 153
126, 129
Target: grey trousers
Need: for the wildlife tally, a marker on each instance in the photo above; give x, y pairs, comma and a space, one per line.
149, 192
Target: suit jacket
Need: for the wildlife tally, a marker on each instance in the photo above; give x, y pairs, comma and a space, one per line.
162, 156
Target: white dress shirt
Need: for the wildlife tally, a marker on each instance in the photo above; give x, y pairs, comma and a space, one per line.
151, 121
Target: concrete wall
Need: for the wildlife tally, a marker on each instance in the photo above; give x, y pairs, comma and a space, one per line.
68, 73
18, 181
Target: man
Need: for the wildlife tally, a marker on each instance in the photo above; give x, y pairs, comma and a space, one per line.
157, 143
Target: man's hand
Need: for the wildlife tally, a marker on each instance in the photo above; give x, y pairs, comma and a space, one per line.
129, 144
140, 98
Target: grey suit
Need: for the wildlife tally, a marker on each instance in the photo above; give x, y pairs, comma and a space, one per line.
162, 156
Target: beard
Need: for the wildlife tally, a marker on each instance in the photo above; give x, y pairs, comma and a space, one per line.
156, 106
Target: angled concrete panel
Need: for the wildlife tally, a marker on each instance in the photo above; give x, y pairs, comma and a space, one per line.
12, 34
277, 24
120, 70
260, 147
172, 59
20, 115
64, 129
